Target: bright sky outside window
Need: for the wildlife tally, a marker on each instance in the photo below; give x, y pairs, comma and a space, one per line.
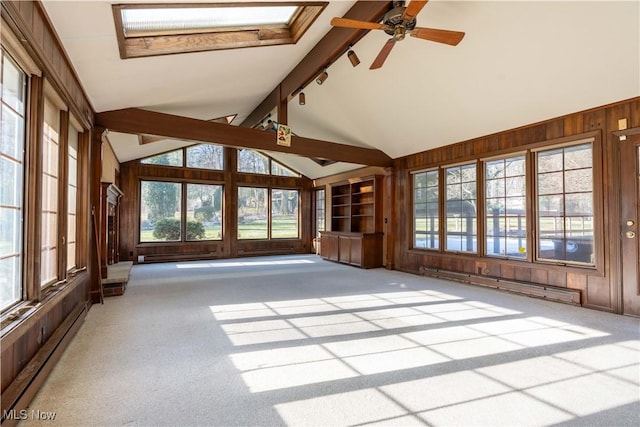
197, 18
150, 30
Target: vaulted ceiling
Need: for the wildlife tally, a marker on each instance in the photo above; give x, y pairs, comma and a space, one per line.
520, 62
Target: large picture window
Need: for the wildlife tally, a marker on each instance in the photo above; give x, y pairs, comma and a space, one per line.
426, 210
564, 185
284, 214
160, 211
505, 207
460, 209
12, 117
253, 205
267, 213
204, 212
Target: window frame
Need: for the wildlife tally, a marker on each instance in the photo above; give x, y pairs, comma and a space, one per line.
413, 174
269, 216
532, 232
317, 208
167, 42
269, 167
21, 242
527, 204
60, 111
297, 214
593, 138
185, 192
445, 208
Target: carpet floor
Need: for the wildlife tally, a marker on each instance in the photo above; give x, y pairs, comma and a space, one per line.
299, 341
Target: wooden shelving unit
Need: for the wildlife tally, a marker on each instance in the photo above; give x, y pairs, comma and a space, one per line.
356, 223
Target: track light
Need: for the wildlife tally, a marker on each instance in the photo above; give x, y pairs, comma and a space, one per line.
301, 99
322, 77
353, 58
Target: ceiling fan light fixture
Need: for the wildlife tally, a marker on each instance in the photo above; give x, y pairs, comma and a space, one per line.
322, 77
353, 58
302, 99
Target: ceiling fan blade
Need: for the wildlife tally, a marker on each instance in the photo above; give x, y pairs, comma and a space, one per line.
382, 56
352, 23
413, 9
440, 36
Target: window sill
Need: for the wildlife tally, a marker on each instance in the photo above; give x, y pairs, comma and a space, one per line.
25, 314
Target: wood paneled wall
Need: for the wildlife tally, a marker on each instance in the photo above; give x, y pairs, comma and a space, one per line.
599, 287
29, 19
130, 247
31, 344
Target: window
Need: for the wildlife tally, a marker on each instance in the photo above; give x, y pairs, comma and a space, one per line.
284, 214
252, 213
280, 170
320, 211
172, 158
205, 156
12, 117
160, 213
204, 212
426, 210
250, 161
50, 185
505, 207
256, 222
147, 30
564, 185
72, 194
460, 209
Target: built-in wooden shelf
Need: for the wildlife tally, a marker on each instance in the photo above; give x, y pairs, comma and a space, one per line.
356, 223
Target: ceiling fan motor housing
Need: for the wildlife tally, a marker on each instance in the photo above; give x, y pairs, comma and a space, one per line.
393, 18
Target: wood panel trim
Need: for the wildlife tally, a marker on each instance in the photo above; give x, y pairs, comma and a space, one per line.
33, 181
25, 386
29, 20
137, 121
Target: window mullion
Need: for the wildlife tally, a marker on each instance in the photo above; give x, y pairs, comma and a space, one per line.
63, 193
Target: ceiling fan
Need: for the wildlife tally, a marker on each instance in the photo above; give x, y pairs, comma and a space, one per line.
398, 22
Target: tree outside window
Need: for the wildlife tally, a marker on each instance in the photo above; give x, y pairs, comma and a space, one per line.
284, 214
204, 212
160, 218
253, 206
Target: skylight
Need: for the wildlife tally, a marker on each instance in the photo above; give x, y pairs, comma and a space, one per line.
198, 18
152, 29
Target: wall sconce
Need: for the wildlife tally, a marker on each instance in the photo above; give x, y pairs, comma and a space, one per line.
353, 58
322, 77
301, 99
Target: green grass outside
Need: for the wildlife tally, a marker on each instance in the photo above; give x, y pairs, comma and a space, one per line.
281, 228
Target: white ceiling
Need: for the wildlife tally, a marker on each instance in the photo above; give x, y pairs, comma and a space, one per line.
520, 62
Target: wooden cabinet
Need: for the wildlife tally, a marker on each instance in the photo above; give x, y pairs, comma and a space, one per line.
356, 223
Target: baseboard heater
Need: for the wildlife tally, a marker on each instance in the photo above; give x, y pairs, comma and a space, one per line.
267, 251
21, 391
552, 293
179, 257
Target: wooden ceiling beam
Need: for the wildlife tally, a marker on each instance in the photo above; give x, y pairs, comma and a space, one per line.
328, 49
138, 121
